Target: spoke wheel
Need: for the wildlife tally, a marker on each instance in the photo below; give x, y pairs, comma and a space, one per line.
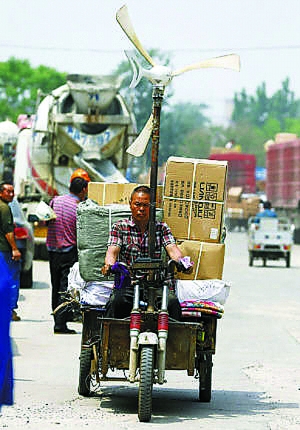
205, 378
146, 384
85, 372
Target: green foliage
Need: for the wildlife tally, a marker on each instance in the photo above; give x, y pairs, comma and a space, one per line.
19, 83
181, 128
258, 109
259, 118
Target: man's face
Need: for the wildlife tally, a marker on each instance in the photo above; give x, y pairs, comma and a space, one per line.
7, 194
140, 207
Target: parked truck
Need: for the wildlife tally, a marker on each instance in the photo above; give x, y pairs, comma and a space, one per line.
242, 201
283, 177
241, 169
82, 124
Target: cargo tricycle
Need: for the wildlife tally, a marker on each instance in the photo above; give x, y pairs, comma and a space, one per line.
147, 343
270, 239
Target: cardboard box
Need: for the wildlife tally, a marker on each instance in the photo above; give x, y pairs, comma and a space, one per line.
235, 213
208, 259
250, 206
193, 200
105, 193
234, 194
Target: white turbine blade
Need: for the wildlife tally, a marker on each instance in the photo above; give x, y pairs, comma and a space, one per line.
231, 61
126, 25
138, 147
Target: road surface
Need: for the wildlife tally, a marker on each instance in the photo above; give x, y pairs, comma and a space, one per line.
256, 373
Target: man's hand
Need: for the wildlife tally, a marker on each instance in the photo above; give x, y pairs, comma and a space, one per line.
16, 254
106, 269
185, 265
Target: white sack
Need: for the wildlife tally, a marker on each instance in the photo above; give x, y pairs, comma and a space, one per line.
213, 290
94, 293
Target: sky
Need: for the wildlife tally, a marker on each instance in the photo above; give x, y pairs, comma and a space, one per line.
84, 37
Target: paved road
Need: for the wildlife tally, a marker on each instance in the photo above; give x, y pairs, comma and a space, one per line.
256, 374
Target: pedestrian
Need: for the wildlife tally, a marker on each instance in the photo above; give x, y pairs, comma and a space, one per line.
6, 368
62, 248
8, 247
267, 211
129, 239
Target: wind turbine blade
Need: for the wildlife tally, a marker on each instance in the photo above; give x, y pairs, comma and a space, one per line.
231, 61
126, 25
138, 147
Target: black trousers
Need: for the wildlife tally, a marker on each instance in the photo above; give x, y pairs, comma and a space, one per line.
60, 264
121, 302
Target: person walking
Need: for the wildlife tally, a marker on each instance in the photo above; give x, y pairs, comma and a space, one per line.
61, 243
129, 239
8, 248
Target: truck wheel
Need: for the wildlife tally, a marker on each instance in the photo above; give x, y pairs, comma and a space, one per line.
26, 278
251, 259
146, 384
288, 259
205, 378
85, 372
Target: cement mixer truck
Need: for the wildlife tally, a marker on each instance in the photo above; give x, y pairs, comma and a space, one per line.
84, 123
8, 139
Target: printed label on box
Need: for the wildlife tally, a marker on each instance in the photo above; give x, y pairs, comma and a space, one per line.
214, 233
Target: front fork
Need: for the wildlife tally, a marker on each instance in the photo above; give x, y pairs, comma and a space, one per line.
148, 338
135, 327
162, 330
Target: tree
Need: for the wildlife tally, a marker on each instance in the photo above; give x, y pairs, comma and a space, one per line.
181, 126
19, 84
257, 109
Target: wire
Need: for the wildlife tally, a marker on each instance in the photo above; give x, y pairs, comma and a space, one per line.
113, 51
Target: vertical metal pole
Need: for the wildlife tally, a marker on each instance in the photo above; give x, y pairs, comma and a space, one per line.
157, 96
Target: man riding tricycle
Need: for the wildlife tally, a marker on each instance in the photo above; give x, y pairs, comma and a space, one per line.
141, 329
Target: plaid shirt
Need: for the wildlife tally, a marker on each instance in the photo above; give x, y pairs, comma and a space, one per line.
133, 243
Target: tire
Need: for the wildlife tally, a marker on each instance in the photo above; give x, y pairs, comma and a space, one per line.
26, 278
205, 378
251, 259
288, 260
84, 372
146, 384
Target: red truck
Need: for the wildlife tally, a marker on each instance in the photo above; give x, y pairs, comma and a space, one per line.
241, 170
283, 180
241, 176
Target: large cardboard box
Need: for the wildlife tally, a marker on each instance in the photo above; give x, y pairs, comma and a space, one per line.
193, 200
208, 259
106, 193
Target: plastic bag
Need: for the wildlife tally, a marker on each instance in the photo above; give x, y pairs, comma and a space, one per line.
94, 293
44, 212
213, 290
